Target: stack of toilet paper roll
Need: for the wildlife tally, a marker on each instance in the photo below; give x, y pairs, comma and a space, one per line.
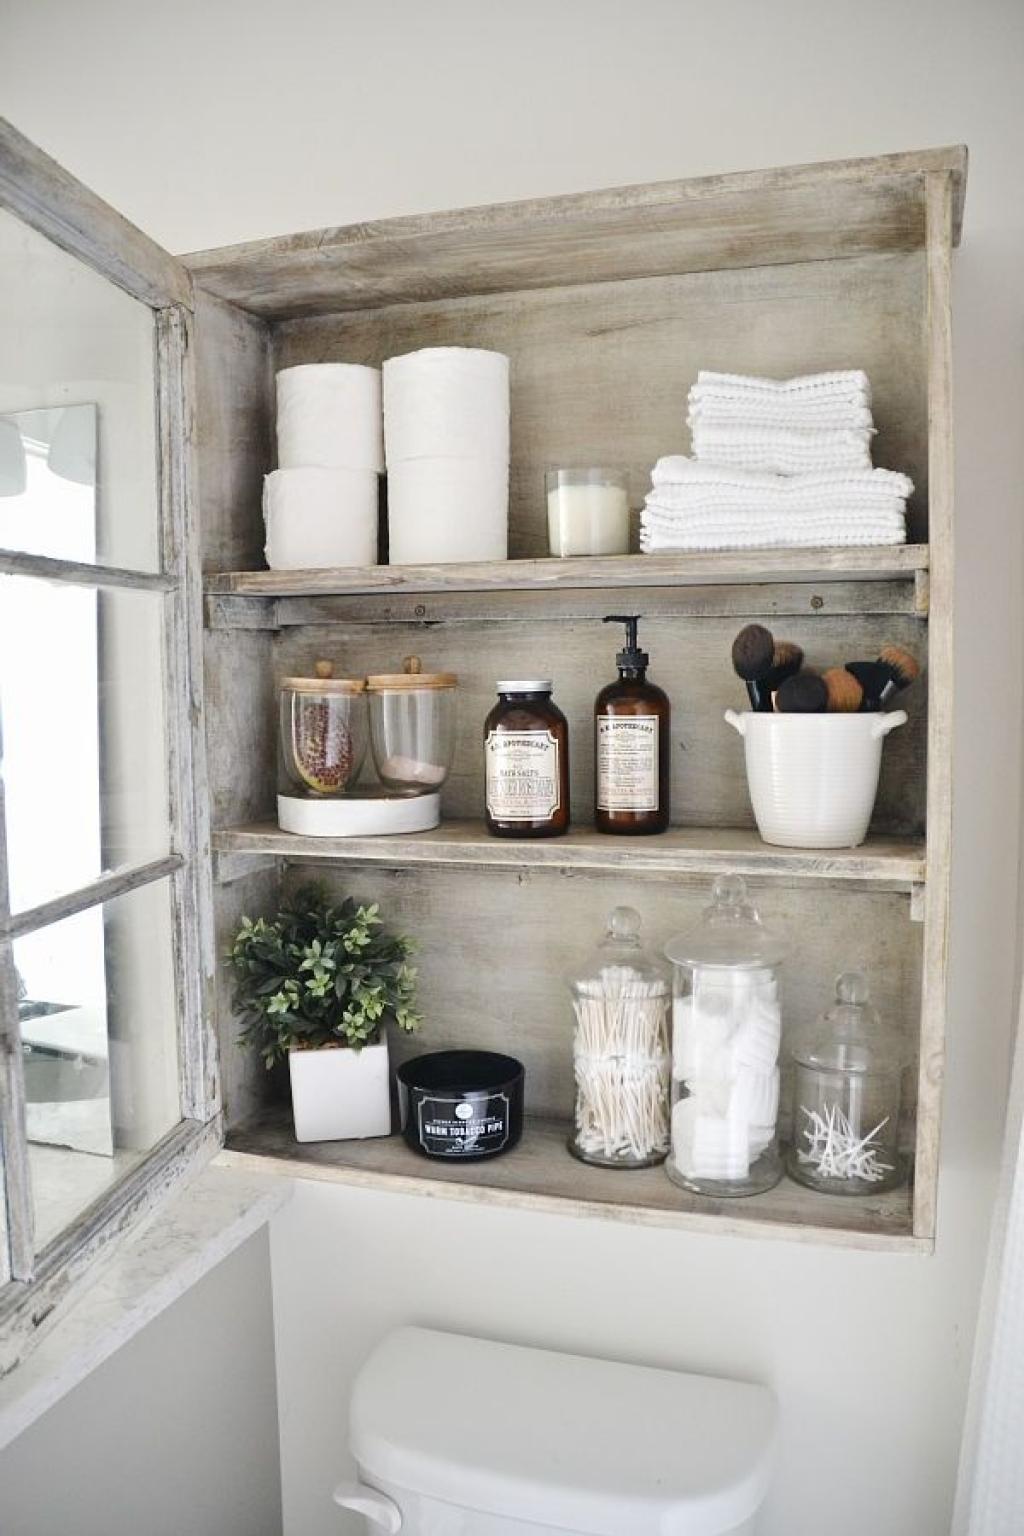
320, 504
446, 430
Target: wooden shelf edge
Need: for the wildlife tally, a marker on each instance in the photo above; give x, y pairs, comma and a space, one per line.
899, 562
880, 1225
896, 863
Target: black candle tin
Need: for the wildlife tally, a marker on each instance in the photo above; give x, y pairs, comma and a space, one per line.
461, 1105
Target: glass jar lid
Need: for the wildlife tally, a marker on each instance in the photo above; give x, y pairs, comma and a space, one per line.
730, 933
323, 682
850, 1036
620, 960
411, 676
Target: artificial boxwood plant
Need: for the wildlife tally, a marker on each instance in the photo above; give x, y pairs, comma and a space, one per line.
320, 974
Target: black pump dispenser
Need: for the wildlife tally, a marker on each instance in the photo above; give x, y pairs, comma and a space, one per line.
632, 658
632, 725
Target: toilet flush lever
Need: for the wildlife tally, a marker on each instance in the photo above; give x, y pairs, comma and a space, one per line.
367, 1501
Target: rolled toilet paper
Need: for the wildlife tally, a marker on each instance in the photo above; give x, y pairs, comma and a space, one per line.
320, 517
443, 510
329, 417
446, 402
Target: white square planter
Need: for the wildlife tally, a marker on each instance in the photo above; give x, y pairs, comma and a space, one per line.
339, 1094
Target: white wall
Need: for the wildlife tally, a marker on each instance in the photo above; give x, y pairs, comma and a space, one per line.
214, 120
174, 1435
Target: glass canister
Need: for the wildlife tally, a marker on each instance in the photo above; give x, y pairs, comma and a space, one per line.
726, 1035
621, 1052
847, 1089
323, 732
412, 726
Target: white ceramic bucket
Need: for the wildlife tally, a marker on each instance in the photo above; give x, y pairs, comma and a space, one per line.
813, 778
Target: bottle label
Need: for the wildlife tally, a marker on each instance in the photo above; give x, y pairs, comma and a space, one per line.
463, 1127
522, 775
627, 762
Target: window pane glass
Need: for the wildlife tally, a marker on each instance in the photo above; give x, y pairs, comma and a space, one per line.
84, 752
100, 1050
78, 476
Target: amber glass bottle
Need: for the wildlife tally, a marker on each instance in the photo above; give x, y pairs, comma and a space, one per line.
632, 720
526, 762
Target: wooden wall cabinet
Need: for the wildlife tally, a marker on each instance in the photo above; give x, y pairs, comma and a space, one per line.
607, 303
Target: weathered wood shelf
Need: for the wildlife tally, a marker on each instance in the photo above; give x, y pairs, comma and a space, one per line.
888, 863
541, 1175
897, 562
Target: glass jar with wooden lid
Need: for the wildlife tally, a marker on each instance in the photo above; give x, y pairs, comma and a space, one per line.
323, 733
412, 726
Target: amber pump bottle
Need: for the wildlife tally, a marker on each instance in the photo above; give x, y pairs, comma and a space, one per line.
632, 719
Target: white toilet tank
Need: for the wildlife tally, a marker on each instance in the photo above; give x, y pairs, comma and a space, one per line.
466, 1437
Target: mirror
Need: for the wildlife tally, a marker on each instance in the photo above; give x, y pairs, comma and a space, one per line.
48, 482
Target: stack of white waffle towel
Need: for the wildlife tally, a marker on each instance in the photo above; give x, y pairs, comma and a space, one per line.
776, 464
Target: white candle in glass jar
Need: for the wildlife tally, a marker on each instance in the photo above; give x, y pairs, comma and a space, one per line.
588, 512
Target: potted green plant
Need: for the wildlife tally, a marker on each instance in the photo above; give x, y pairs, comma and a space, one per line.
317, 984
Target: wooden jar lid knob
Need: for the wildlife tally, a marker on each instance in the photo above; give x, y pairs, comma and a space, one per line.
324, 669
412, 665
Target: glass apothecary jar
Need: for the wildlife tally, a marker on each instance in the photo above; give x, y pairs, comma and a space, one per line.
726, 1036
412, 726
323, 733
847, 1091
621, 1051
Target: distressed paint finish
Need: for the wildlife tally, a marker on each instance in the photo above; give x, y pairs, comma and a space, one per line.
45, 196
600, 371
495, 949
690, 660
541, 1176
892, 863
759, 218
941, 216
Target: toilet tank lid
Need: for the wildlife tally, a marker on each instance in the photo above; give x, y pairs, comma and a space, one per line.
577, 1444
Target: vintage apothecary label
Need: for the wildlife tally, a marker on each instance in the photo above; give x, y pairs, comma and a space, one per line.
522, 775
627, 762
463, 1127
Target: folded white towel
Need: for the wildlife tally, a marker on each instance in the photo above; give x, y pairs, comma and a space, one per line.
843, 383
699, 518
853, 536
765, 412
782, 450
680, 473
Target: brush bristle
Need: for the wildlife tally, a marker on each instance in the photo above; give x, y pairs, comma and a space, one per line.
845, 694
752, 652
802, 694
904, 666
787, 657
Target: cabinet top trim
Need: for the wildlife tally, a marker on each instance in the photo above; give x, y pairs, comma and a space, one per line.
747, 219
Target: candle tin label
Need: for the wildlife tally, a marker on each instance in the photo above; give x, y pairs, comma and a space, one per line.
522, 775
463, 1127
627, 762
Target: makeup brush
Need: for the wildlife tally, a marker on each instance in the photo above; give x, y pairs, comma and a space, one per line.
894, 670
787, 659
902, 665
873, 676
845, 694
804, 693
753, 654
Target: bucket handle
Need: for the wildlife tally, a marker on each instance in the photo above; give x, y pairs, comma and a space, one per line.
367, 1501
881, 725
738, 723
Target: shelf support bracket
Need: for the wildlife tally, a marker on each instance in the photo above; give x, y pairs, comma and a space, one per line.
230, 867
917, 901
922, 592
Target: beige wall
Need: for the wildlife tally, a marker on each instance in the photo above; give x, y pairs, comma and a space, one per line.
210, 121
